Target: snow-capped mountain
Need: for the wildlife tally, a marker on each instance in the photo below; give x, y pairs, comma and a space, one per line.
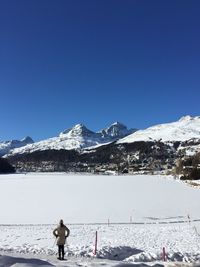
78, 130
117, 130
6, 146
78, 137
160, 147
185, 129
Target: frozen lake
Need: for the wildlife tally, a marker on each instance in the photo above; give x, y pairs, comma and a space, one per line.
45, 198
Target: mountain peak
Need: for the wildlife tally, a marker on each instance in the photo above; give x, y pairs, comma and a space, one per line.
27, 140
116, 130
117, 123
18, 143
79, 126
6, 146
186, 118
78, 130
189, 118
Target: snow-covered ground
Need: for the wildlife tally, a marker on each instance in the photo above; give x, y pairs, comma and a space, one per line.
127, 243
164, 213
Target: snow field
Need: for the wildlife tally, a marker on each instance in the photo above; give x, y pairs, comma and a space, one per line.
130, 243
45, 198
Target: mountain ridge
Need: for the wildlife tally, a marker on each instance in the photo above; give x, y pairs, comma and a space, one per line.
78, 137
6, 146
155, 149
186, 128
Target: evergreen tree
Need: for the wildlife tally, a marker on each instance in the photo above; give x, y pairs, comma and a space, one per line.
5, 166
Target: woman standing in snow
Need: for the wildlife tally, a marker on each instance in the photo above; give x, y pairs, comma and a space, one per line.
61, 233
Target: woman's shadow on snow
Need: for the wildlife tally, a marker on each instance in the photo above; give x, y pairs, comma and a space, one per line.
7, 261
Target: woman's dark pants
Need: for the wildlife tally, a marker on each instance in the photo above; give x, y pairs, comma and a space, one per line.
61, 252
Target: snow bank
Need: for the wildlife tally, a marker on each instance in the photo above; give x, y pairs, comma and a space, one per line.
6, 261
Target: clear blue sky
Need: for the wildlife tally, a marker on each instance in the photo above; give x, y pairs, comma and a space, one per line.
63, 62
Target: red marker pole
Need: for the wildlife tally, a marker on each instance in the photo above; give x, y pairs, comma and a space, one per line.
164, 254
95, 244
